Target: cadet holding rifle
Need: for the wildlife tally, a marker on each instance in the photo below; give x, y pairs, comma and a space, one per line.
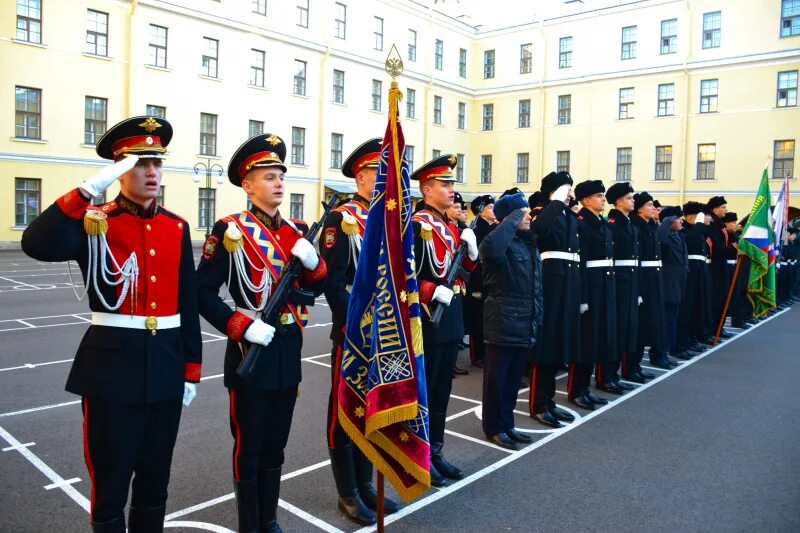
249, 251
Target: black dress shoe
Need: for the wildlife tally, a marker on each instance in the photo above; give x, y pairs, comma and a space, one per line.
442, 465
683, 356
624, 386
502, 440
355, 509
636, 378
516, 436
725, 334
479, 363
706, 340
561, 415
597, 400
646, 375
661, 364
697, 347
611, 388
547, 419
437, 480
460, 371
582, 402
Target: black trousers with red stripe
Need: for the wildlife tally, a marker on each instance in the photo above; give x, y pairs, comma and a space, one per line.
501, 377
260, 423
477, 349
543, 388
580, 374
125, 440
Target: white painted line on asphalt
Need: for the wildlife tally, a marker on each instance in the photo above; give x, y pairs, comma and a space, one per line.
34, 409
648, 367
435, 496
308, 517
82, 318
463, 413
70, 491
214, 335
320, 363
18, 282
61, 484
214, 528
9, 448
465, 399
34, 365
477, 441
316, 357
213, 376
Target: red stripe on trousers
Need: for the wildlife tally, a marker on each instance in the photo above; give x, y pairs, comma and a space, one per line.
569, 379
598, 373
337, 370
531, 401
87, 455
238, 445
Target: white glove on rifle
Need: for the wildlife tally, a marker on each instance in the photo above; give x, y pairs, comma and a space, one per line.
97, 184
584, 308
260, 332
640, 301
700, 219
305, 252
468, 236
443, 294
189, 392
562, 193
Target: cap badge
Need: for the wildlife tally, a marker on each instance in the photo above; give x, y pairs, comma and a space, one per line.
273, 140
150, 125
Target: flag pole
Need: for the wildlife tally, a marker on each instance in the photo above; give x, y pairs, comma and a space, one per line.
379, 504
728, 299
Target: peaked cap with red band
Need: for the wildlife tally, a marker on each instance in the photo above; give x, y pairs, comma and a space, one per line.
143, 136
440, 168
367, 155
265, 150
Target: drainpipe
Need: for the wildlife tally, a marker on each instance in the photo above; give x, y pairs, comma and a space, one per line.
543, 98
129, 55
686, 110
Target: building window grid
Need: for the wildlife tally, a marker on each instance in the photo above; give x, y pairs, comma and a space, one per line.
27, 113
488, 117
29, 21
488, 64
783, 159
411, 103
663, 163
438, 54
338, 86
787, 89
708, 96
706, 161
298, 146
377, 95
460, 168
27, 200
526, 58
790, 18
96, 33
260, 7
337, 142
462, 115
257, 68
206, 207
565, 52
412, 45
155, 111
378, 33
302, 13
523, 160
296, 206
210, 57
299, 84
628, 42
669, 36
254, 127
624, 159
95, 120
157, 47
409, 155
565, 109
666, 99
462, 62
524, 114
435, 153
437, 110
562, 161
340, 23
626, 103
208, 134
486, 169
712, 24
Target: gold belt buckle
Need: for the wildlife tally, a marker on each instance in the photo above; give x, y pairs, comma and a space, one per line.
284, 319
151, 323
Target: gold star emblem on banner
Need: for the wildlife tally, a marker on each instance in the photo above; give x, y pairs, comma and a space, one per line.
360, 412
404, 436
403, 296
391, 205
274, 140
150, 125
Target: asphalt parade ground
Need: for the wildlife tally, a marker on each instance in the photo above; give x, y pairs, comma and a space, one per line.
709, 446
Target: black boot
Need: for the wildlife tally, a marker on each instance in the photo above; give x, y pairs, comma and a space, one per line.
247, 505
112, 526
146, 520
437, 480
365, 488
442, 465
344, 473
269, 488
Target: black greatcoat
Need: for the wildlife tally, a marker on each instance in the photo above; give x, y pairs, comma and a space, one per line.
651, 286
626, 247
599, 323
556, 229
696, 308
721, 274
676, 265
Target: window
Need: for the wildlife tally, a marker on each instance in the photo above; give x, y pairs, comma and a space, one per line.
565, 109
299, 86
438, 54
706, 159
410, 157
296, 206
378, 33
155, 111
783, 159
488, 64
158, 46
663, 163
302, 13
462, 115
412, 45
524, 119
257, 68
337, 141
486, 169
27, 196
488, 117
666, 99
298, 146
210, 53
377, 91
669, 36
29, 21
712, 22
338, 86
96, 33
260, 7
462, 62
435, 153
340, 23
28, 113
206, 208
708, 96
525, 58
460, 168
624, 156
437, 109
787, 89
565, 52
626, 103
208, 134
629, 42
254, 127
522, 167
790, 18
411, 103
95, 119
160, 195
562, 161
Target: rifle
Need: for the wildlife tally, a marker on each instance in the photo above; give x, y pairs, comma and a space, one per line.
282, 294
450, 278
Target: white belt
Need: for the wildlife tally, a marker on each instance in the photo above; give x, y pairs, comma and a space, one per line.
477, 294
784, 262
600, 263
566, 256
286, 318
349, 288
708, 261
626, 262
650, 263
697, 257
150, 323
731, 261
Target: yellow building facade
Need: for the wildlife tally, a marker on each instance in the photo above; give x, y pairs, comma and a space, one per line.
686, 98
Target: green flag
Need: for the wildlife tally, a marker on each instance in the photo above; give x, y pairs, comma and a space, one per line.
757, 243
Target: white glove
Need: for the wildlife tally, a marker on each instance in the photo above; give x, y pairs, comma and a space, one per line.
640, 301
259, 332
98, 183
468, 236
189, 392
443, 294
305, 252
701, 218
584, 308
562, 193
